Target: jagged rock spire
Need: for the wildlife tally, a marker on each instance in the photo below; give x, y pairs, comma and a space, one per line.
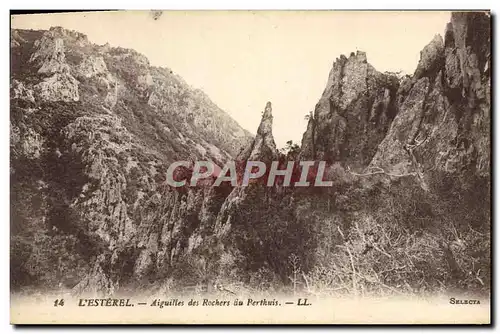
263, 147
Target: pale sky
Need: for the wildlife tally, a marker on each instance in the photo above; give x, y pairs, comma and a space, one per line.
243, 59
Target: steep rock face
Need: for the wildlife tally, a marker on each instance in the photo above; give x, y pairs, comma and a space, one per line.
353, 114
50, 56
169, 95
223, 246
93, 131
444, 109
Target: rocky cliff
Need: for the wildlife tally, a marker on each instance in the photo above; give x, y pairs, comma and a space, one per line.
261, 149
436, 119
93, 130
443, 110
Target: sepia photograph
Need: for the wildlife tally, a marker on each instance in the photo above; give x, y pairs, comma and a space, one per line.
250, 167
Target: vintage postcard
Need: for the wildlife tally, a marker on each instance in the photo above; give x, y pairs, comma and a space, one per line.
250, 167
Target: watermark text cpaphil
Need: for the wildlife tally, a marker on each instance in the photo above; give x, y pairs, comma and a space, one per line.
296, 173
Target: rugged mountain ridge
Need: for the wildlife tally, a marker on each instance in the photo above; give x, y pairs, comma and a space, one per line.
93, 130
409, 158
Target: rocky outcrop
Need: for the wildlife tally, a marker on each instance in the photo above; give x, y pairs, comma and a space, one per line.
444, 109
145, 81
169, 95
263, 147
20, 91
94, 70
431, 58
353, 114
29, 142
98, 281
437, 119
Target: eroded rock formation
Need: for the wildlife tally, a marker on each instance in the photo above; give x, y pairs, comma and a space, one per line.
443, 117
94, 130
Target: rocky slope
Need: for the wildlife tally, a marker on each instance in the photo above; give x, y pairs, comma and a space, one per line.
263, 148
93, 130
